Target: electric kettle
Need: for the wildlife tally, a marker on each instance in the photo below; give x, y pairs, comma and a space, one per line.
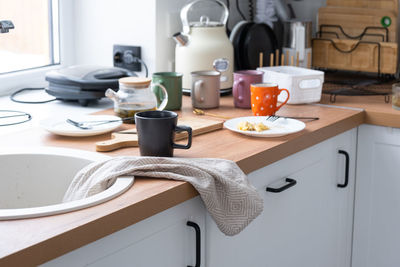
202, 45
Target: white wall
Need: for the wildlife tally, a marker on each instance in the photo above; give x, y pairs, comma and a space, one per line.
167, 23
99, 24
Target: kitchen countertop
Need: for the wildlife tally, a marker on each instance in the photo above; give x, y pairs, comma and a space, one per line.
34, 241
377, 112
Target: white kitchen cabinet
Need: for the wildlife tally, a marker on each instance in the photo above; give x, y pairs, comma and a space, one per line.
164, 240
377, 201
308, 224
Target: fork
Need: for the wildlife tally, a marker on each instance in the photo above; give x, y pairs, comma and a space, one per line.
79, 125
87, 125
273, 118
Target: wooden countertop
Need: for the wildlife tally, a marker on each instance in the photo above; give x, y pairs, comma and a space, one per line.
30, 242
377, 112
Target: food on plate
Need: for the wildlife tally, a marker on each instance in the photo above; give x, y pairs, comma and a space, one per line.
248, 126
261, 127
245, 126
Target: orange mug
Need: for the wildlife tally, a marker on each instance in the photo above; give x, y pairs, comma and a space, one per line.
264, 98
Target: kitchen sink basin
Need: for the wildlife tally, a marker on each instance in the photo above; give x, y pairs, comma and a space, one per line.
33, 181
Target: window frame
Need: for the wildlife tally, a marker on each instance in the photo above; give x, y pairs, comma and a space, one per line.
35, 77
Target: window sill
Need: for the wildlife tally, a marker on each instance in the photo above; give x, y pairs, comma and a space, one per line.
10, 82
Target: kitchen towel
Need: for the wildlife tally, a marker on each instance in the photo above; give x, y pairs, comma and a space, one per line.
225, 190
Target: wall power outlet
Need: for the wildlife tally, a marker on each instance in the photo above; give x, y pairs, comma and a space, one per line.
126, 57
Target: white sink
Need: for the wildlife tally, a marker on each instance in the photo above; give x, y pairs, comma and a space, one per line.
33, 182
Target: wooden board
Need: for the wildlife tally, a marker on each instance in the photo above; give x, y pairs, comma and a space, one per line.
374, 4
364, 58
129, 138
355, 20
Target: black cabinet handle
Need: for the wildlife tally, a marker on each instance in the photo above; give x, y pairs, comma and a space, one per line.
198, 242
290, 182
346, 178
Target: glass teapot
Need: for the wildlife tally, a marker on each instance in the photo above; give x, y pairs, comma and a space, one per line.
135, 95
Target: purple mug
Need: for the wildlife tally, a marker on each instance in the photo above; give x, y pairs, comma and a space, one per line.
241, 86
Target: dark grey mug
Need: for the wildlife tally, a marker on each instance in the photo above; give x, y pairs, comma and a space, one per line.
156, 133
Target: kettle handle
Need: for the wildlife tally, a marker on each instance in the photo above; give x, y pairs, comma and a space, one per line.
186, 8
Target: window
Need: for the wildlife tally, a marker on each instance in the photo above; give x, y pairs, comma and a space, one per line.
34, 42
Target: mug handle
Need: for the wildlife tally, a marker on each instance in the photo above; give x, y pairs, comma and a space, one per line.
197, 91
287, 99
183, 128
239, 92
165, 100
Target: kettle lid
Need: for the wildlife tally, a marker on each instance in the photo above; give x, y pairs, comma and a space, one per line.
129, 81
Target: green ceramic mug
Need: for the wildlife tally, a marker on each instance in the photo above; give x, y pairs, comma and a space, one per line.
172, 81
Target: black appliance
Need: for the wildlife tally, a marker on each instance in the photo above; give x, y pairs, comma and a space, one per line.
84, 84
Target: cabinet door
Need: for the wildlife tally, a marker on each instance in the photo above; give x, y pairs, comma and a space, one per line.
308, 224
161, 240
377, 203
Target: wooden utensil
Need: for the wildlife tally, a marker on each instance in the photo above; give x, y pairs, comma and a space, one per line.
309, 61
271, 59
129, 138
202, 112
287, 58
277, 57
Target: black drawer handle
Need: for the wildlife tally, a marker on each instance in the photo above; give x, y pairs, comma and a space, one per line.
198, 242
346, 178
290, 182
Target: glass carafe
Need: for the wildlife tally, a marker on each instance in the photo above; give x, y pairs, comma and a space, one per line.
135, 95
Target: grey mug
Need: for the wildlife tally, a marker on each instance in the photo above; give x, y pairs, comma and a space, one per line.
205, 90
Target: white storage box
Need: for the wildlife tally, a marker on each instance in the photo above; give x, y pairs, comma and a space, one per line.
304, 85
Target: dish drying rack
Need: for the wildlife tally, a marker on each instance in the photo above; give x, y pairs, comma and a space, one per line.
358, 36
355, 53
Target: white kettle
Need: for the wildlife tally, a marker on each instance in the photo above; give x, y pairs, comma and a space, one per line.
201, 45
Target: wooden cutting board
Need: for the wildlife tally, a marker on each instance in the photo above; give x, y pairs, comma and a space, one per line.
374, 4
364, 58
354, 21
129, 138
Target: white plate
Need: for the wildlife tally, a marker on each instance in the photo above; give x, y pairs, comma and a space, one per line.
59, 125
280, 127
